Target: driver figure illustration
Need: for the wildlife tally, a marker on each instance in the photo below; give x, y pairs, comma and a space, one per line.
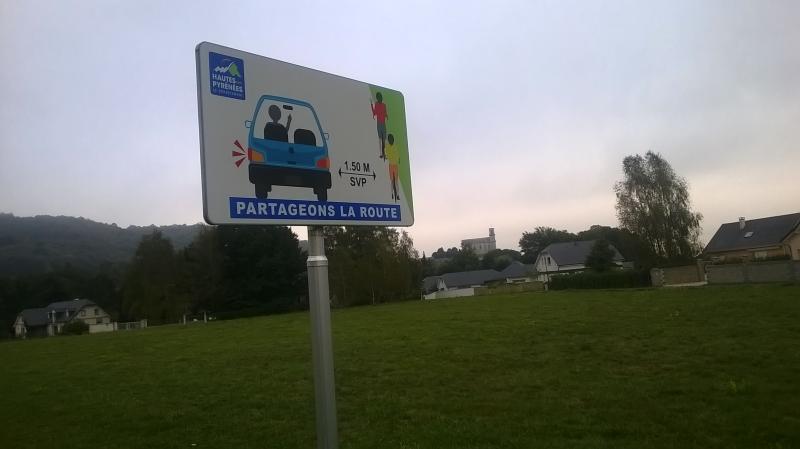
274, 130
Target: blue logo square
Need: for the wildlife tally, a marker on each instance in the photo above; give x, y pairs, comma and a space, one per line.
226, 76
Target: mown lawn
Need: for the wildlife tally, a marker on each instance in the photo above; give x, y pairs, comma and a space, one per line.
706, 367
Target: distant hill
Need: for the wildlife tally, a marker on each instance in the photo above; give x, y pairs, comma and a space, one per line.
42, 243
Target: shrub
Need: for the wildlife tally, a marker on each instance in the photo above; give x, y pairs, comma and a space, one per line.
277, 305
609, 279
76, 327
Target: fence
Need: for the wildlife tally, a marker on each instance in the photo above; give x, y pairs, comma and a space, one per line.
130, 325
776, 271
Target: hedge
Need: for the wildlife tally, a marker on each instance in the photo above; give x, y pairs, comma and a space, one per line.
76, 327
593, 279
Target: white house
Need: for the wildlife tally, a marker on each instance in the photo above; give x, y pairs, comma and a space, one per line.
50, 320
568, 257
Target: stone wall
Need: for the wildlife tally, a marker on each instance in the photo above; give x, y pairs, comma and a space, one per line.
686, 274
453, 293
775, 271
533, 286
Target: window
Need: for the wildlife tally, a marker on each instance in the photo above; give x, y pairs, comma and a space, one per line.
96, 311
83, 313
303, 120
99, 321
748, 234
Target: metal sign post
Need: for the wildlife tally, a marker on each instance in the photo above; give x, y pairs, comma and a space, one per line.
321, 340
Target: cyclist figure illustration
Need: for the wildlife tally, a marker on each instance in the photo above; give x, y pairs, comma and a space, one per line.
381, 115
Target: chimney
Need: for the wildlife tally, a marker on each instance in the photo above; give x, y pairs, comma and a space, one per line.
742, 223
491, 232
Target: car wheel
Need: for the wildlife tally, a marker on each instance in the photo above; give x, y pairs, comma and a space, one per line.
262, 190
322, 194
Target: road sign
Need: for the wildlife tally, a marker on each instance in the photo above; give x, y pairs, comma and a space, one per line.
285, 144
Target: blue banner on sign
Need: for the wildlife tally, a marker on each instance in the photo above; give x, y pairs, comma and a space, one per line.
226, 75
269, 209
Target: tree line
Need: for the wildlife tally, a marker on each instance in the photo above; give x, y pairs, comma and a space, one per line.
32, 245
229, 271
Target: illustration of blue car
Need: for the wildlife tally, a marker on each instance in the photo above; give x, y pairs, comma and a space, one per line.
287, 147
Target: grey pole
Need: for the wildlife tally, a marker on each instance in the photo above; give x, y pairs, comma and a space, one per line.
321, 341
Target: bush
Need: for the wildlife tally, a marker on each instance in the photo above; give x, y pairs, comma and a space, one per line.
610, 279
277, 305
76, 327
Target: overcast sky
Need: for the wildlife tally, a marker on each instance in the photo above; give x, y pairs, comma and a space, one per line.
519, 113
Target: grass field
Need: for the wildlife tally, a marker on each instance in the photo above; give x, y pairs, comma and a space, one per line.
674, 368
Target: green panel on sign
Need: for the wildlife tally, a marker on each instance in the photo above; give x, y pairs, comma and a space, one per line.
396, 126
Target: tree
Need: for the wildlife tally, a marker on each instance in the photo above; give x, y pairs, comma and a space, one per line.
151, 287
631, 247
601, 257
463, 259
262, 268
202, 273
439, 254
653, 203
371, 264
499, 259
532, 243
427, 266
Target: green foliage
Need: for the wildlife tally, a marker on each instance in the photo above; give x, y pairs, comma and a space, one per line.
259, 265
230, 270
370, 265
442, 254
608, 279
151, 288
532, 243
202, 271
653, 203
601, 257
41, 244
428, 267
464, 259
76, 327
499, 259
631, 247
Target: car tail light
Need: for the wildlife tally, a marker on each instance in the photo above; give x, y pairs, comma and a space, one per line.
254, 155
324, 163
